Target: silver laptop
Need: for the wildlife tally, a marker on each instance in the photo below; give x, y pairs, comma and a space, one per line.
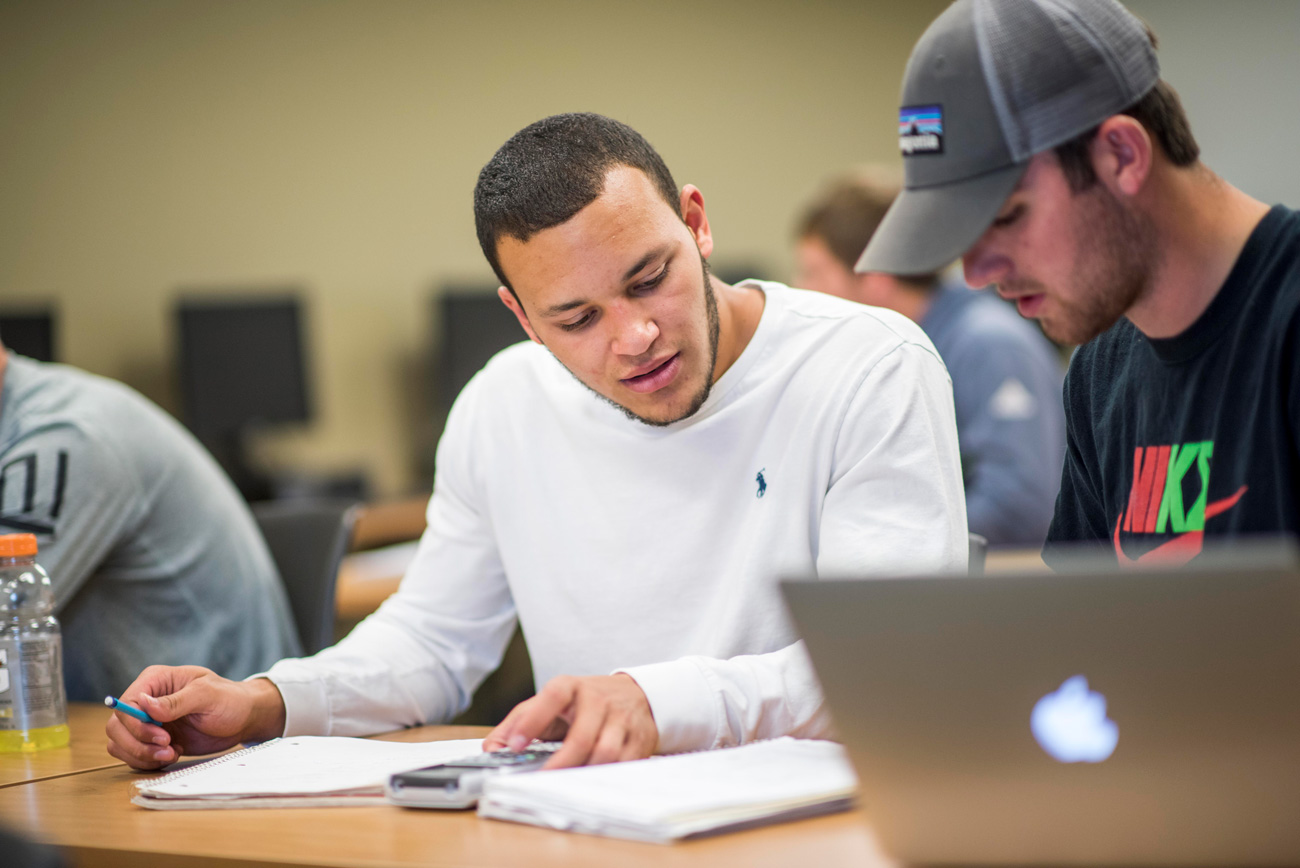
1091, 718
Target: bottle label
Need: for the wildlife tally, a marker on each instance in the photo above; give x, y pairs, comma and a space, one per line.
31, 683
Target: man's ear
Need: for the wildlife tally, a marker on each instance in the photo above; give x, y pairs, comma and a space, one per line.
508, 299
1122, 155
696, 220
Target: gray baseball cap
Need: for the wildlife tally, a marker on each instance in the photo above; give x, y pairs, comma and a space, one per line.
990, 84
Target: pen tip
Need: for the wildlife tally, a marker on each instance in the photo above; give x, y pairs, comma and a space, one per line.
108, 700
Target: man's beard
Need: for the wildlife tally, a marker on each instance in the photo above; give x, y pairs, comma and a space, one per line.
698, 399
1111, 271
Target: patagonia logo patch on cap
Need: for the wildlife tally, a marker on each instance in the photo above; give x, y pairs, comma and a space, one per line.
920, 129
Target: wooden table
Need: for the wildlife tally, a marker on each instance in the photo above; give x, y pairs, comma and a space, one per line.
85, 751
90, 817
385, 522
383, 544
368, 578
1015, 561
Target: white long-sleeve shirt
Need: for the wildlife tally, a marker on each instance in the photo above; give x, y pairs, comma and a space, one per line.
828, 448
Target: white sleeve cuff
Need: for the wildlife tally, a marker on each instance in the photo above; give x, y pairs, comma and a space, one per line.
682, 702
306, 709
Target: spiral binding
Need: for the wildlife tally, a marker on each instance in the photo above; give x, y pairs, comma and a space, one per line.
146, 786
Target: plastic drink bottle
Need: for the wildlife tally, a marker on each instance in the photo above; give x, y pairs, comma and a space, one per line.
33, 705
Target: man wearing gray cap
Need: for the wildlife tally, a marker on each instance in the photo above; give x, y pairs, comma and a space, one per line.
1040, 145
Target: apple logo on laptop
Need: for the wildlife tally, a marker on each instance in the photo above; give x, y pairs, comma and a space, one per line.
1071, 724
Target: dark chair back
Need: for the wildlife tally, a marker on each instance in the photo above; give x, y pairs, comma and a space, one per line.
308, 539
979, 549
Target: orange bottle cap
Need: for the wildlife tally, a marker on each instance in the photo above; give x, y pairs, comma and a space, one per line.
17, 545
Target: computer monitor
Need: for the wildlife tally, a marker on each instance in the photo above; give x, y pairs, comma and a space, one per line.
242, 366
474, 326
29, 331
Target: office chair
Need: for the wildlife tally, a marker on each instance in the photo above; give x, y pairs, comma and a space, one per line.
979, 549
308, 539
22, 853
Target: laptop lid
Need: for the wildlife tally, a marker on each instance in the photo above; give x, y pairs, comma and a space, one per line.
1093, 717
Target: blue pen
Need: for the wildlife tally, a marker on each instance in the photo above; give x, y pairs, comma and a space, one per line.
118, 705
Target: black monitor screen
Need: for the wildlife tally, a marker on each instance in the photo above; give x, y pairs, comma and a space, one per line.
475, 327
241, 362
29, 333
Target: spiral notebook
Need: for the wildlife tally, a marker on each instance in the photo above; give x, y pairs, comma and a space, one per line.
665, 799
302, 771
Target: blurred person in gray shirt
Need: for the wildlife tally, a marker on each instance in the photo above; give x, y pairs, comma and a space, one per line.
153, 556
1006, 377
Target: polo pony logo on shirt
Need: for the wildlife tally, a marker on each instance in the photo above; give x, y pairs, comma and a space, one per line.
762, 483
1162, 470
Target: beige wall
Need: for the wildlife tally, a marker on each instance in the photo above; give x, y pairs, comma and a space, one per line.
151, 146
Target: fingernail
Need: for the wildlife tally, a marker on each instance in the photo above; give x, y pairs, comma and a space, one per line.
161, 739
162, 753
517, 743
147, 697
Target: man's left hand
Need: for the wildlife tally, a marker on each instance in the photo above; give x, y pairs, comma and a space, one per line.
602, 719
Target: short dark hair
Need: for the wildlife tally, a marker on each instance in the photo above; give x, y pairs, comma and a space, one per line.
847, 213
1160, 112
551, 170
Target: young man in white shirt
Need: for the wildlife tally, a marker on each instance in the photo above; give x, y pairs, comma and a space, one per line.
631, 485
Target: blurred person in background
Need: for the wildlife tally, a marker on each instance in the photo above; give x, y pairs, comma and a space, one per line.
1006, 377
152, 554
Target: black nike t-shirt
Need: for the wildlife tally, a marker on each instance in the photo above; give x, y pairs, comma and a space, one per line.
1175, 440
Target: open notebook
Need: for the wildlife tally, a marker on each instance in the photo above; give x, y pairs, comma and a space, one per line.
664, 799
297, 772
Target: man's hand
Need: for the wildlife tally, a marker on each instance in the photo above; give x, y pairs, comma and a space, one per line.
602, 719
198, 711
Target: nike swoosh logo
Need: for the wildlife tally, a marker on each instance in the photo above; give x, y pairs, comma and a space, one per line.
1181, 548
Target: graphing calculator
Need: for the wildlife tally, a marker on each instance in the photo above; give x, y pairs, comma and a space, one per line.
459, 784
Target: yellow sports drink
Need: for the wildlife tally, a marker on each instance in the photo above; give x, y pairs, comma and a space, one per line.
33, 706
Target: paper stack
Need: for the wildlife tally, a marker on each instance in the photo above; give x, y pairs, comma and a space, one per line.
663, 799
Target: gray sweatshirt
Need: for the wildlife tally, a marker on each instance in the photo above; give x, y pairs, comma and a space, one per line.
153, 556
